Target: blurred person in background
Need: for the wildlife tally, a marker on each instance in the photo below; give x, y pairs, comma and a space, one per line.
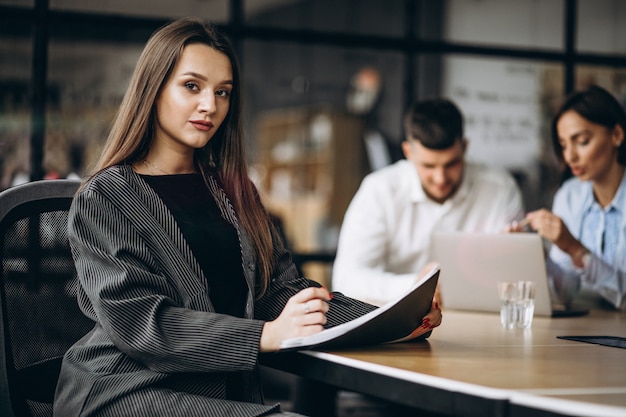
385, 238
587, 224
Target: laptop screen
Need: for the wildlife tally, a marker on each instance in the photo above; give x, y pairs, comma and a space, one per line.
472, 264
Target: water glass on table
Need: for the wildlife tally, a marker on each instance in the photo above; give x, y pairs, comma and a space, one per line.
517, 305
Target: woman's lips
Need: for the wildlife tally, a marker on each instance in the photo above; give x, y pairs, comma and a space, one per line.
577, 171
202, 125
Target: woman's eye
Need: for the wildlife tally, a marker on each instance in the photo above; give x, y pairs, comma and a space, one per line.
191, 86
223, 93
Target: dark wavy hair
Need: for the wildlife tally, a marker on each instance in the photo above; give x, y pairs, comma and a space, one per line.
597, 106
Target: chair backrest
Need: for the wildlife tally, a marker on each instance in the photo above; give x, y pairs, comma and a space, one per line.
39, 314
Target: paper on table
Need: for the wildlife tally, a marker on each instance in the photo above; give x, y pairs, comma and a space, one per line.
391, 322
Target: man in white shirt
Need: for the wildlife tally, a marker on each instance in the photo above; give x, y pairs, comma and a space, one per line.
385, 237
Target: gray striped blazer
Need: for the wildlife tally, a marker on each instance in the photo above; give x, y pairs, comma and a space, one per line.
157, 347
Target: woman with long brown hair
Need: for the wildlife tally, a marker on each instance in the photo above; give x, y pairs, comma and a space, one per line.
178, 263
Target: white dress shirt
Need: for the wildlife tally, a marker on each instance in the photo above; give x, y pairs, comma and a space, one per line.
385, 237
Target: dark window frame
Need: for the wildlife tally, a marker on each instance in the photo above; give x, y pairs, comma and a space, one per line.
44, 23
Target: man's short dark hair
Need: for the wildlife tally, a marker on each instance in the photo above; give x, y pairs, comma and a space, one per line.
436, 123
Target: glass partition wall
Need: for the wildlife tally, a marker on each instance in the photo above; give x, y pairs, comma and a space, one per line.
325, 84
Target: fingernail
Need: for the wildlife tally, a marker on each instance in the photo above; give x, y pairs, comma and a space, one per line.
436, 305
330, 295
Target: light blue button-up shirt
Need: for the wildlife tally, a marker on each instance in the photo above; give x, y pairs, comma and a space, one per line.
603, 232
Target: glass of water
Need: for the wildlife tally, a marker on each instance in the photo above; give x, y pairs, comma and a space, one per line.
517, 303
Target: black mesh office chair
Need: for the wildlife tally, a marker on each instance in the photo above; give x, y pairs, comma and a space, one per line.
39, 315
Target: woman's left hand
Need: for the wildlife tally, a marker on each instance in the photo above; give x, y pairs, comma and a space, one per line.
430, 321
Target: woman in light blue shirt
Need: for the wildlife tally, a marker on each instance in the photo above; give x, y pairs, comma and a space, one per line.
587, 224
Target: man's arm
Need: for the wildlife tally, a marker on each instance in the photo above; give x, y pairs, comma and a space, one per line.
360, 266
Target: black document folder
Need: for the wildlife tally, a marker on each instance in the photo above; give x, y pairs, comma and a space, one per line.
392, 322
614, 341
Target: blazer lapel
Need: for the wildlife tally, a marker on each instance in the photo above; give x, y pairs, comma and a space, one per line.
248, 254
157, 226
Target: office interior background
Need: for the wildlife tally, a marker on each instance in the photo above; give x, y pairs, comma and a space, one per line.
326, 83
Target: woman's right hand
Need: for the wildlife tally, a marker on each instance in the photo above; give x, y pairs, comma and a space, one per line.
303, 315
551, 227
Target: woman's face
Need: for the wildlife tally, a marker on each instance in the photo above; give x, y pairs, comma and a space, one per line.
589, 149
195, 99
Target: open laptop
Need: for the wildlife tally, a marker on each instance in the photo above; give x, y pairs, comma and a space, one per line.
473, 263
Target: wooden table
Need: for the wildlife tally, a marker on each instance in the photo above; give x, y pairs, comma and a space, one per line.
471, 366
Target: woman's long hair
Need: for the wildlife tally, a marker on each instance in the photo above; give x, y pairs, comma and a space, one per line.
135, 122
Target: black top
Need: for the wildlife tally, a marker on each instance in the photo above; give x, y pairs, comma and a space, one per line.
212, 239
